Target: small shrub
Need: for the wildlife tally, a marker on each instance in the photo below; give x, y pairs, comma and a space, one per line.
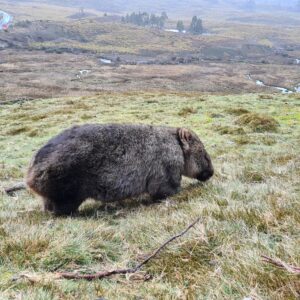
185, 111
258, 122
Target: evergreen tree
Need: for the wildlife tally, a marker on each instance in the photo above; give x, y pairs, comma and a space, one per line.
144, 19
164, 15
153, 20
180, 26
196, 26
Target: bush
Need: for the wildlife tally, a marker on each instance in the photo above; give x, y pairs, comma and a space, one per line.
258, 122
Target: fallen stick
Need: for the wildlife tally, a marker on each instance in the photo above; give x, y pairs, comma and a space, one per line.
280, 264
103, 274
18, 187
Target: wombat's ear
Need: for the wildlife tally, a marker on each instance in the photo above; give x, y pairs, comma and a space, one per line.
184, 136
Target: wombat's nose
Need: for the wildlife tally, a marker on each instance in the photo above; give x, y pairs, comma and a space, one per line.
205, 175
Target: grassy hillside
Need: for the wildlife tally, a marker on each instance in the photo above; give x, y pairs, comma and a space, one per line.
250, 208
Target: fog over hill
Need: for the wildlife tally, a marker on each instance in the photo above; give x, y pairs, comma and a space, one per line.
118, 6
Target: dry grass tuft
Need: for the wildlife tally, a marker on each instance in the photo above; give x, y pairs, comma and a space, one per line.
243, 140
185, 111
265, 97
258, 122
237, 111
230, 130
18, 130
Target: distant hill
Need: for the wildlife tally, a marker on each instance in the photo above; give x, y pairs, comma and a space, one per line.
172, 6
120, 6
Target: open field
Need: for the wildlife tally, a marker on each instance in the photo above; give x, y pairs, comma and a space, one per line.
44, 38
33, 74
251, 207
238, 44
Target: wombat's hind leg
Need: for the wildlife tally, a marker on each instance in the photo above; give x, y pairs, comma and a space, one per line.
163, 192
66, 208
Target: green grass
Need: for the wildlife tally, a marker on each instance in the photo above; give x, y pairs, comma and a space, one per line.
251, 206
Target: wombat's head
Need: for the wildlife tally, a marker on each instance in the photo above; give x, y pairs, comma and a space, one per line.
197, 162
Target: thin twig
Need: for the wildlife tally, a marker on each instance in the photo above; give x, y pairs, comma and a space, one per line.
103, 274
18, 187
282, 265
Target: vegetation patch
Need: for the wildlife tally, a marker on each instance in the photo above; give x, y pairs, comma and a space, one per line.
24, 252
265, 97
191, 256
185, 111
268, 140
73, 253
252, 176
258, 122
237, 111
18, 130
243, 140
229, 130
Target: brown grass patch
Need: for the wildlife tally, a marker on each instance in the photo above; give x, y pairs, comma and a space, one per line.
185, 111
229, 130
237, 111
258, 122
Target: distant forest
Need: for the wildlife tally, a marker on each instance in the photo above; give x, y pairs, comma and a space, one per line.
151, 20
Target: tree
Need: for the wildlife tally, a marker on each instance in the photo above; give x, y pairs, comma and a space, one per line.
164, 15
144, 19
180, 26
196, 26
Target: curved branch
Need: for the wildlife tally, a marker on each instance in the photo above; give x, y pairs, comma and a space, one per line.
281, 265
103, 274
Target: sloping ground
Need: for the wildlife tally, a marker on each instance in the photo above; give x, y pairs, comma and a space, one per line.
116, 39
35, 75
250, 208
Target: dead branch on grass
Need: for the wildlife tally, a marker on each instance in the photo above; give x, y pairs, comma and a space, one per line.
103, 274
282, 265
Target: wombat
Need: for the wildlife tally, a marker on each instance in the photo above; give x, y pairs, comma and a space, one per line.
111, 162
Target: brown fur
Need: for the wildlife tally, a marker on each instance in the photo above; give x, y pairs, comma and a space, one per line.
111, 162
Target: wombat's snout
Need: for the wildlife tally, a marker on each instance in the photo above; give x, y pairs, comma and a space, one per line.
205, 175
